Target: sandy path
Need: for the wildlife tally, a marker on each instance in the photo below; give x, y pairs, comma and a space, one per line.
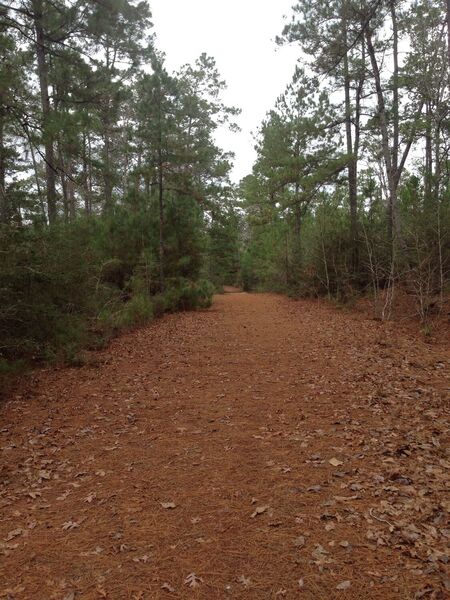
232, 416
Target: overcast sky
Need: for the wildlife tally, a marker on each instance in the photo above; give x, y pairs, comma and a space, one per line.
240, 35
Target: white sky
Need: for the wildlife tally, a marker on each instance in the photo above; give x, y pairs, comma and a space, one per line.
240, 35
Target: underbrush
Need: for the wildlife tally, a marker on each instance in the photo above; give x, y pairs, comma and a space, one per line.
60, 293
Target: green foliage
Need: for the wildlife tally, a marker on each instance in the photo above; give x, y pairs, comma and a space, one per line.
188, 295
137, 311
46, 282
73, 286
224, 247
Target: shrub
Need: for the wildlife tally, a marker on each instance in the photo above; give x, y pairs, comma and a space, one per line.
137, 311
205, 291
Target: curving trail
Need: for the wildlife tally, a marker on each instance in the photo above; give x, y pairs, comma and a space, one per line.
265, 448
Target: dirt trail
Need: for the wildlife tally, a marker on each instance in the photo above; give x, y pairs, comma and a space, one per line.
193, 461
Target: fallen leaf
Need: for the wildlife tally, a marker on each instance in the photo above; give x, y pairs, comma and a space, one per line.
246, 581
168, 588
192, 580
259, 510
143, 559
14, 533
335, 462
69, 525
168, 505
344, 585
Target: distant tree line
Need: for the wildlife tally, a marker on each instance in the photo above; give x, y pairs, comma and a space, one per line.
350, 190
114, 197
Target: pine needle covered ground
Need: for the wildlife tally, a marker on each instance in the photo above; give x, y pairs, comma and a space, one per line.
263, 448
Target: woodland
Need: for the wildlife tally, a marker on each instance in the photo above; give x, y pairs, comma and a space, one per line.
116, 203
214, 389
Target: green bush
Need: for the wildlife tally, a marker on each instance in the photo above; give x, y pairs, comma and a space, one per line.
171, 299
205, 291
159, 305
137, 311
75, 285
188, 295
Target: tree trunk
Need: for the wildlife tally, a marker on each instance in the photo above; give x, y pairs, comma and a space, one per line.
437, 163
71, 192
50, 170
107, 175
36, 178
448, 31
63, 177
351, 168
359, 91
393, 224
297, 254
161, 220
86, 175
395, 99
4, 212
160, 192
428, 155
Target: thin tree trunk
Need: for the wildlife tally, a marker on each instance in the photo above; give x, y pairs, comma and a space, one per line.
63, 177
428, 155
90, 186
4, 212
448, 31
107, 175
138, 172
359, 91
160, 197
42, 65
71, 192
351, 168
286, 259
161, 220
395, 98
297, 232
36, 177
393, 225
437, 163
107, 172
86, 167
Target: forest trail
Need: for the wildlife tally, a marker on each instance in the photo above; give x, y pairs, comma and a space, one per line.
264, 448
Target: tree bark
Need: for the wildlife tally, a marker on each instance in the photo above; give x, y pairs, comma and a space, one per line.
49, 152
395, 98
86, 175
393, 225
4, 212
63, 178
161, 221
160, 197
448, 31
437, 163
107, 175
71, 192
428, 176
352, 166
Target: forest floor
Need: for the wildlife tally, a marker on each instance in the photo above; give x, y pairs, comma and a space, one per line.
265, 448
